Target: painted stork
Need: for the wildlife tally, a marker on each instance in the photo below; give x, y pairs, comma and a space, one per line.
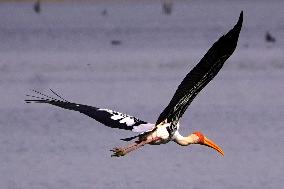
166, 127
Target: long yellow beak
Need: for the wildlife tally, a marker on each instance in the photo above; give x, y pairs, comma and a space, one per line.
211, 144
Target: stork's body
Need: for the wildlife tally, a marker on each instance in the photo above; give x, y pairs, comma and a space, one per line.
167, 125
162, 135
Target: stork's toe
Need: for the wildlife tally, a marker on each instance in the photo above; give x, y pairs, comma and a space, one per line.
117, 152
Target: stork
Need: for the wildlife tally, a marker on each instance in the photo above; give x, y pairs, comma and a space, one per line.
167, 125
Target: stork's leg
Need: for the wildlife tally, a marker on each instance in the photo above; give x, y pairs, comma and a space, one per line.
117, 152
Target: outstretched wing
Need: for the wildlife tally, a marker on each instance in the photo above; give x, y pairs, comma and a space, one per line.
201, 74
107, 117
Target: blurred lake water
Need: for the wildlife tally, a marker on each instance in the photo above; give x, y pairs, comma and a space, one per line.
130, 57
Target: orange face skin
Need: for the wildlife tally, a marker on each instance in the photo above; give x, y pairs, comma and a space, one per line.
200, 136
207, 142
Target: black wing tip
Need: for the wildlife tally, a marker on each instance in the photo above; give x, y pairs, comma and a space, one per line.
40, 97
239, 24
230, 39
237, 28
242, 12
241, 16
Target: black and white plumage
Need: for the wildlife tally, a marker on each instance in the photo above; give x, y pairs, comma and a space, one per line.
107, 117
167, 124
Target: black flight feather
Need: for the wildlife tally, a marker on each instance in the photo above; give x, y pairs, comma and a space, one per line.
201, 74
107, 117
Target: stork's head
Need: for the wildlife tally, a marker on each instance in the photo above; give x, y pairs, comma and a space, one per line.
199, 138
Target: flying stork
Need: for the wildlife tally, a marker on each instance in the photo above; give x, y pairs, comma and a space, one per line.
167, 125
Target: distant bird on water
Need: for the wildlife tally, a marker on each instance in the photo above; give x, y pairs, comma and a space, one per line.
115, 42
37, 6
167, 125
167, 8
104, 12
269, 38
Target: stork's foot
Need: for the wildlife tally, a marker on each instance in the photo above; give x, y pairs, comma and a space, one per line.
117, 152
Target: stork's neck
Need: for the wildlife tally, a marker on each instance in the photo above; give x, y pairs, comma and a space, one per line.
184, 141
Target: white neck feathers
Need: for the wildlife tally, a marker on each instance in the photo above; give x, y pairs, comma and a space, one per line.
184, 141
